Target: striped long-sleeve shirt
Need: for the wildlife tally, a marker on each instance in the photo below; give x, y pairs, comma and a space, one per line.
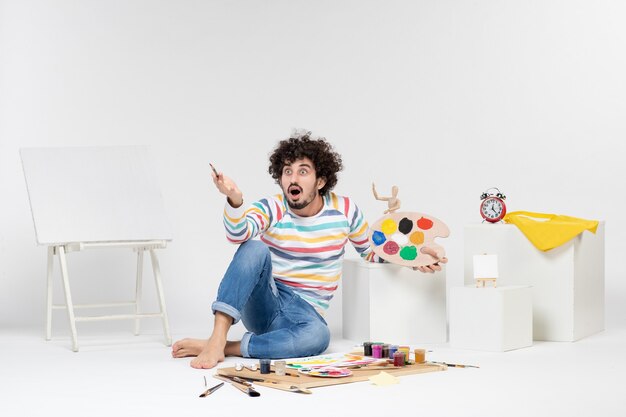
307, 252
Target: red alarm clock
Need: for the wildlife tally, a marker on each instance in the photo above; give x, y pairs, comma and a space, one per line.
492, 208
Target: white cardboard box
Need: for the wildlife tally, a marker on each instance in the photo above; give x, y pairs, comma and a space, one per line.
567, 282
391, 303
493, 319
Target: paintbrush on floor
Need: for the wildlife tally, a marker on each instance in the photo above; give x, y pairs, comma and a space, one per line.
456, 365
245, 387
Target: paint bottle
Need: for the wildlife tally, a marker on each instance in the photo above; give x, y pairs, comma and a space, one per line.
264, 364
420, 355
392, 349
367, 348
377, 351
280, 367
385, 353
398, 358
405, 350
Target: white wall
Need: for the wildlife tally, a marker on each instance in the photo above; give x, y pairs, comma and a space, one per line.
442, 98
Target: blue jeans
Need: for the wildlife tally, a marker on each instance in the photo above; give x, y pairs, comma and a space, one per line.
280, 324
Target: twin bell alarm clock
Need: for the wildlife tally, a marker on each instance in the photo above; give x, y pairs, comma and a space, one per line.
492, 208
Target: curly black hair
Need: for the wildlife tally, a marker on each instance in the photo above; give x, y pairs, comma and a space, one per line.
326, 161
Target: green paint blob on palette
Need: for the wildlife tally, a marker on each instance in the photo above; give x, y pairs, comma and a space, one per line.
399, 237
408, 253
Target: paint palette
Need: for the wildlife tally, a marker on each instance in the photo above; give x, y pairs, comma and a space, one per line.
399, 237
326, 372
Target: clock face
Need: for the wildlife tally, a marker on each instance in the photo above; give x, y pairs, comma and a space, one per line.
492, 209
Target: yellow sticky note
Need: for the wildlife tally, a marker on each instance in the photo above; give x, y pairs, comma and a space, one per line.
383, 378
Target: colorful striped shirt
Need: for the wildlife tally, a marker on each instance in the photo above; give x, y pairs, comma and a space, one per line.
307, 252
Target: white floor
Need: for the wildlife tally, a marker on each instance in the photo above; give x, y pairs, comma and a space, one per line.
120, 374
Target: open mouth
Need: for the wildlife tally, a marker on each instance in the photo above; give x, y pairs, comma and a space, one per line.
294, 191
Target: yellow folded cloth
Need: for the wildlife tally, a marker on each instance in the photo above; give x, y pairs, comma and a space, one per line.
547, 231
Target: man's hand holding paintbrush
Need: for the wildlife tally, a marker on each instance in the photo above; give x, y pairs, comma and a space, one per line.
227, 187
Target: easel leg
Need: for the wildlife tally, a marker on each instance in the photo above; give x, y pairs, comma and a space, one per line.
159, 286
68, 297
49, 294
138, 289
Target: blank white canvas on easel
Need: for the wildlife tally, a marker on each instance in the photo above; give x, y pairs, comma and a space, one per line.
94, 194
485, 266
91, 198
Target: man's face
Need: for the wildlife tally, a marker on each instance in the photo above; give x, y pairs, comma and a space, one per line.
300, 183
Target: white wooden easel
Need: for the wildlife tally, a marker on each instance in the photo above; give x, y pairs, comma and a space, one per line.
96, 198
140, 248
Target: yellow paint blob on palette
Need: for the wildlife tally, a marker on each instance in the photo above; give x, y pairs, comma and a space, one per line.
399, 237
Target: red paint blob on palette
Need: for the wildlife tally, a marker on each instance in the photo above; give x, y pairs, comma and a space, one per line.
391, 248
424, 223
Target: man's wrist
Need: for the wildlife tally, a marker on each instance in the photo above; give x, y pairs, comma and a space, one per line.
235, 202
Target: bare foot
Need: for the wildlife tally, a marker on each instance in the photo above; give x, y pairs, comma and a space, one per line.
211, 354
188, 347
